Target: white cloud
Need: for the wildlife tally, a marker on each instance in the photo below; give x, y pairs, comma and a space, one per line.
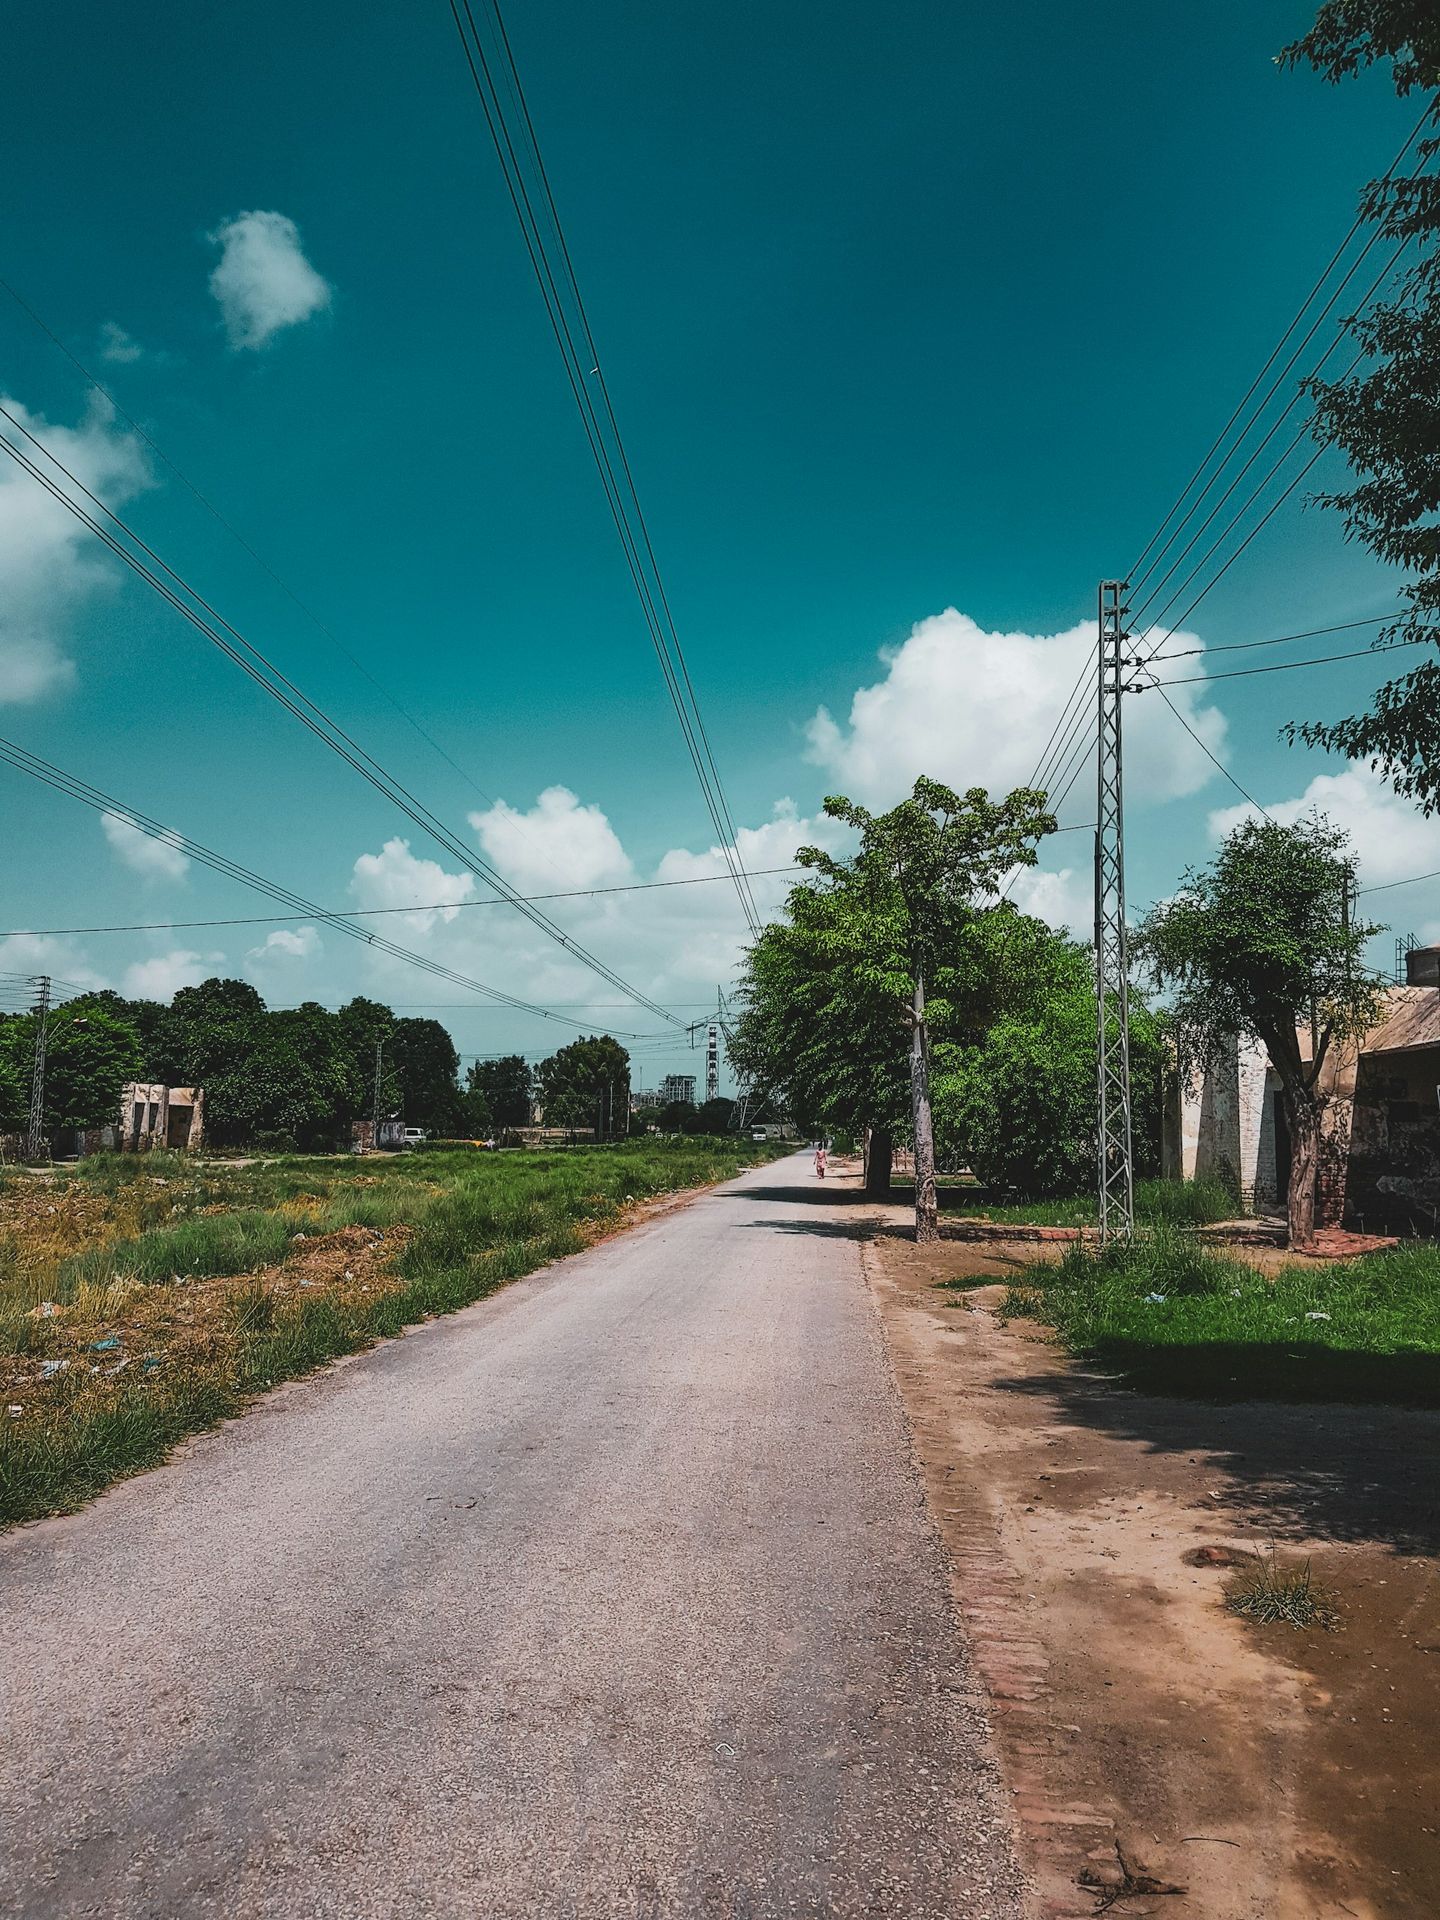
973, 708
34, 953
285, 943
151, 857
396, 877
163, 974
117, 346
1390, 838
557, 841
675, 943
263, 281
49, 565
1065, 898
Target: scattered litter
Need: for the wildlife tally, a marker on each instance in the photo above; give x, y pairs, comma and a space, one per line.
723, 1746
150, 1362
348, 1274
46, 1310
14, 1411
1317, 1316
300, 1236
1156, 1299
106, 1345
49, 1368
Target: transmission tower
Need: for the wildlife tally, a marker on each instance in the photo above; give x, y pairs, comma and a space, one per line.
1116, 1172
712, 1050
35, 1132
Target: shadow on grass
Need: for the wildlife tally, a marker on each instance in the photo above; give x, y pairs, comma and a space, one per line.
1259, 1370
1322, 1467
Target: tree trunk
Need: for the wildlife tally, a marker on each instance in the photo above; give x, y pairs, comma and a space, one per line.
879, 1161
1304, 1117
927, 1212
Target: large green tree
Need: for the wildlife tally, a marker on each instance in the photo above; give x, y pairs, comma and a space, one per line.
1261, 944
586, 1084
427, 1068
89, 1055
1385, 416
507, 1086
921, 878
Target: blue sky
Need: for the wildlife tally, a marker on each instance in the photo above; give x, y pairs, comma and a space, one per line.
901, 313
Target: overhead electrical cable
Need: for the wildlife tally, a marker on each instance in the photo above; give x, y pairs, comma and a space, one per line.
1220, 539
77, 789
607, 449
1277, 640
368, 913
252, 662
239, 538
1209, 755
1136, 575
1278, 666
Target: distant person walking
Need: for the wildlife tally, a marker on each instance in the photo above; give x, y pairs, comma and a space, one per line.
820, 1160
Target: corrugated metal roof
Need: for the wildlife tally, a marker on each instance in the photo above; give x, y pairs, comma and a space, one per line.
1411, 1019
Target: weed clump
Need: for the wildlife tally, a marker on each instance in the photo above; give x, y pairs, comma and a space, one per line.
1266, 1592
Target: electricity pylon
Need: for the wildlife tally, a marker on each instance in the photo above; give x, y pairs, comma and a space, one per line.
1116, 1168
35, 1132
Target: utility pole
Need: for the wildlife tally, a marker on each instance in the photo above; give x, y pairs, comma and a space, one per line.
375, 1137
1116, 1169
35, 1133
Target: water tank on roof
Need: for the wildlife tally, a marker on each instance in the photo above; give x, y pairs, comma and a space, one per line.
1422, 967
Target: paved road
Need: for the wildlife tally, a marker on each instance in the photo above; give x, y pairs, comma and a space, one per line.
612, 1596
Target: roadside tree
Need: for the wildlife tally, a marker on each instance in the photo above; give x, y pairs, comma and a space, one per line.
922, 875
1260, 944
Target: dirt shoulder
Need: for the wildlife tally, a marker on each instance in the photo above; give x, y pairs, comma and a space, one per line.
1264, 1771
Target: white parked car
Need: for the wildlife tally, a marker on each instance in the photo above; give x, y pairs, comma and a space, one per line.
412, 1137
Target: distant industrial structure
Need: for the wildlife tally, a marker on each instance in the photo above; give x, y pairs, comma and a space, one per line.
677, 1087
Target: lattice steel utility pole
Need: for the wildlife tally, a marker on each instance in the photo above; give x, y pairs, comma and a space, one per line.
35, 1132
1116, 1170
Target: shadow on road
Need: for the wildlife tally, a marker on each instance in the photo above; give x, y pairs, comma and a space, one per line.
818, 1193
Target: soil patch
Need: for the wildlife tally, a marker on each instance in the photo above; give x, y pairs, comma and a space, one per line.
1151, 1738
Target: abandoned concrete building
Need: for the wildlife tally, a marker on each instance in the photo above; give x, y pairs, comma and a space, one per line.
1380, 1134
152, 1115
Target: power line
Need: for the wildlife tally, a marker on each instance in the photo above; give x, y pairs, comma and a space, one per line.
254, 664
1210, 756
1279, 640
1384, 886
614, 469
91, 796
1331, 264
368, 913
1281, 666
239, 538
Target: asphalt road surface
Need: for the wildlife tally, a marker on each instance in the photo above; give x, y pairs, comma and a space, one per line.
614, 1595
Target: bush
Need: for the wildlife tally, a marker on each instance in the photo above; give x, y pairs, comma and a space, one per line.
1020, 1106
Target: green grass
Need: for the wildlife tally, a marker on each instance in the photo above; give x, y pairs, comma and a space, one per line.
477, 1222
1170, 1315
1188, 1203
1268, 1592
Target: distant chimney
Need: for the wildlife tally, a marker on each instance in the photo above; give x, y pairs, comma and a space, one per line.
1422, 967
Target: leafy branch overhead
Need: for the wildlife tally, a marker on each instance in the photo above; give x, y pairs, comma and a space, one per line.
1385, 416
